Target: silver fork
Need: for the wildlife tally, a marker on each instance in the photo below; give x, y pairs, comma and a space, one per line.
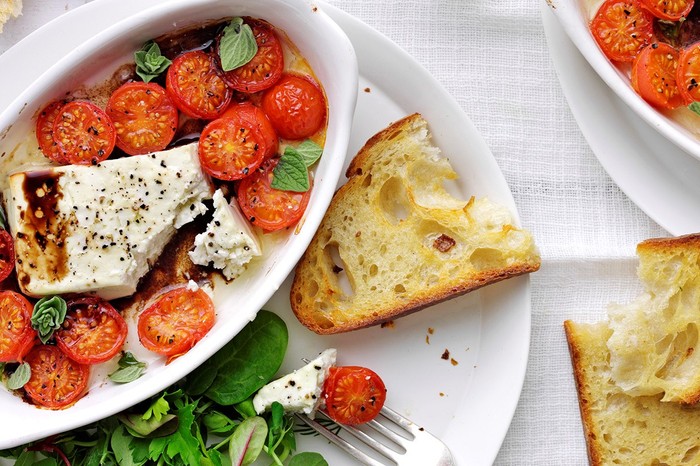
417, 447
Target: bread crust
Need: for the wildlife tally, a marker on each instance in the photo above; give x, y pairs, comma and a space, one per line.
319, 301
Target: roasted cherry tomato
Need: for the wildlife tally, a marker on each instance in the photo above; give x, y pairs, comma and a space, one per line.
266, 66
295, 106
176, 321
44, 131
144, 116
231, 148
671, 10
92, 332
84, 133
622, 28
7, 254
254, 115
196, 87
353, 394
56, 381
269, 208
688, 73
654, 76
16, 333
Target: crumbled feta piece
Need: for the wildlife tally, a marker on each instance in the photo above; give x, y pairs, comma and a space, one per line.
97, 229
300, 391
228, 242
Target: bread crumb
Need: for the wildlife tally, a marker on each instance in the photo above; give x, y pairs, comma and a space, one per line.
388, 324
442, 394
453, 361
368, 90
445, 354
431, 330
427, 339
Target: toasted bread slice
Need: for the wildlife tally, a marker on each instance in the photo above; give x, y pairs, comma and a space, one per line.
653, 340
621, 429
394, 241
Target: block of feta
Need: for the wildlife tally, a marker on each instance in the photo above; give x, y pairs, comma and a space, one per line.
300, 391
97, 229
228, 242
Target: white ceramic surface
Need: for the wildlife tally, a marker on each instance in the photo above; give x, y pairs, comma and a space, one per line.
92, 61
573, 15
469, 405
657, 175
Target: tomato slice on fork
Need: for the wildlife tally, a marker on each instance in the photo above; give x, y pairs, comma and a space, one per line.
622, 28
353, 394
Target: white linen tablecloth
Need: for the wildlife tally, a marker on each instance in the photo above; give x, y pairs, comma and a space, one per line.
492, 57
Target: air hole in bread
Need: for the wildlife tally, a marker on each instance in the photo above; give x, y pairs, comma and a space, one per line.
373, 270
682, 353
367, 180
398, 289
344, 280
486, 258
393, 201
691, 455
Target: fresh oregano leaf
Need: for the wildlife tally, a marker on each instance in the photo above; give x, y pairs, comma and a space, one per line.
19, 377
48, 315
129, 369
149, 62
310, 151
695, 107
247, 441
291, 173
237, 45
307, 458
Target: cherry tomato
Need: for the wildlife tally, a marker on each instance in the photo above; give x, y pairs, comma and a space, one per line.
622, 28
144, 116
254, 115
196, 87
353, 395
295, 106
654, 76
16, 333
7, 254
56, 381
231, 148
44, 131
671, 10
688, 73
176, 321
92, 332
269, 208
266, 66
84, 133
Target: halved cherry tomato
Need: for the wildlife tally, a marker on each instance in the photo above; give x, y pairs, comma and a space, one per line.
176, 321
196, 87
144, 116
688, 73
44, 131
84, 133
295, 106
16, 333
254, 115
353, 395
231, 148
269, 208
622, 28
56, 381
671, 10
266, 66
7, 254
92, 332
654, 76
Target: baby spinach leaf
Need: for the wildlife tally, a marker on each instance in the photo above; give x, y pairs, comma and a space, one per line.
244, 364
247, 441
307, 459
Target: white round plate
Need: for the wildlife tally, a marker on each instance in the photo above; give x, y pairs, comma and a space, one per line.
469, 404
655, 174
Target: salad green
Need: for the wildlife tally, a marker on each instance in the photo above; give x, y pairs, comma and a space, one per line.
206, 419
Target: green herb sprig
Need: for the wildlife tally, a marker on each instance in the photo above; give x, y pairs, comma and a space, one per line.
292, 170
149, 61
48, 315
237, 45
129, 369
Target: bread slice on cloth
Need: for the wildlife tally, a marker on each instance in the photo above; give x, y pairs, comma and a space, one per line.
621, 429
654, 338
394, 241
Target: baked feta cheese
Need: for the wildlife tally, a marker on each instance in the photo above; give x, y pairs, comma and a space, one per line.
300, 391
228, 242
97, 229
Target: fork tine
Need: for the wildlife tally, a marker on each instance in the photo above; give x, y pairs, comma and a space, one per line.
399, 420
388, 433
369, 441
330, 436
